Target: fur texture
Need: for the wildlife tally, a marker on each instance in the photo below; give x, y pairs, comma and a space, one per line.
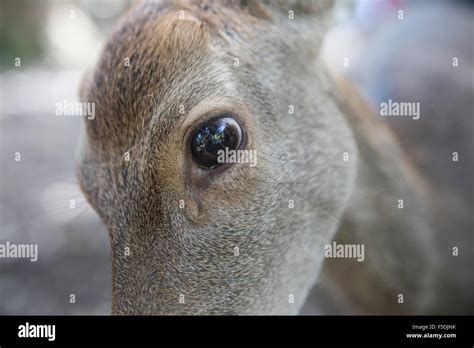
183, 69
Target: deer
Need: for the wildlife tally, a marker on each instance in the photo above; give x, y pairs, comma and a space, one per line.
177, 81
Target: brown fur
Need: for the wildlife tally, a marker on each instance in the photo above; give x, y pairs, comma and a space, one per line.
188, 63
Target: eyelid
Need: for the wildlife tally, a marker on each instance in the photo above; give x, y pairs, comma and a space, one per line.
211, 107
226, 116
215, 115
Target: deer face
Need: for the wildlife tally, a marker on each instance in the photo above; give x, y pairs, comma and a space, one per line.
190, 234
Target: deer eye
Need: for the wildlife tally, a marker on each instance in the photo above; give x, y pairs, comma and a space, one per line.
220, 133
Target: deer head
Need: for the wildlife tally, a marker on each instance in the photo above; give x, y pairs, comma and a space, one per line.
176, 82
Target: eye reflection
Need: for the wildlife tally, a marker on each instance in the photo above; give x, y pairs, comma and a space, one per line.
214, 135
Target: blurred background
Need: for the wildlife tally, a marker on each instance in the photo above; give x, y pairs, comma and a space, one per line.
45, 47
398, 49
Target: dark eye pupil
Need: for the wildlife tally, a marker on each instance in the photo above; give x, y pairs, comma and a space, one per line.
213, 136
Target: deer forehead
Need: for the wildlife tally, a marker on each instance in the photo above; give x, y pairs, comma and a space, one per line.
165, 57
160, 62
